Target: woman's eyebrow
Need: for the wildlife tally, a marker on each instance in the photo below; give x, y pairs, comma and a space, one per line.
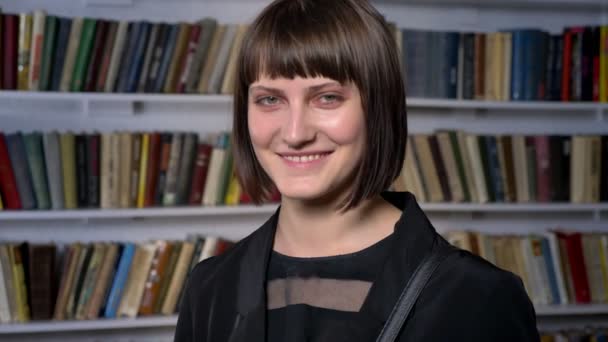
279, 91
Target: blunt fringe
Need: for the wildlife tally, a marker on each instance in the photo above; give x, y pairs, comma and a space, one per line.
345, 40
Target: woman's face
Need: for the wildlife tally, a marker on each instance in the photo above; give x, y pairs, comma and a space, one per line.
307, 133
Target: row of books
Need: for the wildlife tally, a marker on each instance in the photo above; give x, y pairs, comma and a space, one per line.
54, 170
557, 267
82, 281
591, 335
454, 166
44, 52
513, 64
47, 52
116, 170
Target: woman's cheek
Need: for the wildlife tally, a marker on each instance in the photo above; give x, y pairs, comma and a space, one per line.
260, 130
344, 128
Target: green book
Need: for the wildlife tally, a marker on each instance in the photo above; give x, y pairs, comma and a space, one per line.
226, 173
84, 54
48, 47
460, 165
35, 158
68, 167
485, 164
531, 156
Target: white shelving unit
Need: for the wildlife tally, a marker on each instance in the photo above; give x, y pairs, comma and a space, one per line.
595, 209
545, 313
29, 111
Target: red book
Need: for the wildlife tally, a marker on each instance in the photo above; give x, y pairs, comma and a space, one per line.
199, 176
185, 65
577, 266
106, 56
9, 41
566, 65
275, 196
8, 185
97, 52
596, 63
222, 246
245, 198
153, 166
543, 169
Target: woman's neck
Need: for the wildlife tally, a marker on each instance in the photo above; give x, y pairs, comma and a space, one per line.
314, 230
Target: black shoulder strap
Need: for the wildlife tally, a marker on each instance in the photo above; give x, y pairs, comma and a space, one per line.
412, 290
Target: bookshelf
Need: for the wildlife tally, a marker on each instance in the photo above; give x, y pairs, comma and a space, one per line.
558, 209
29, 110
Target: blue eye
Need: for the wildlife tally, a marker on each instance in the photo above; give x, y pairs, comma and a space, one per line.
329, 97
268, 100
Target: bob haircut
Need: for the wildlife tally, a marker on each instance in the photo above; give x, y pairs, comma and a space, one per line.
344, 40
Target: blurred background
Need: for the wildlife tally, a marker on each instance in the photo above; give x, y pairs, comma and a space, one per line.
116, 174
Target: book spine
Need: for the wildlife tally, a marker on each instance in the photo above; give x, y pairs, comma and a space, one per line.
165, 154
24, 46
82, 178
8, 182
62, 39
97, 53
21, 170
48, 51
52, 155
36, 49
152, 166
10, 51
138, 58
120, 279
93, 169
35, 157
68, 163
199, 176
84, 54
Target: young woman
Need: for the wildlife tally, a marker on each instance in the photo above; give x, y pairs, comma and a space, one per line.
319, 113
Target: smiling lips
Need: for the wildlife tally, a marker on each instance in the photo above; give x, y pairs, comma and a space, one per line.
301, 158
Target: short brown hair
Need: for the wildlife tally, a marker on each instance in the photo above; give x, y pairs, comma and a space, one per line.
345, 40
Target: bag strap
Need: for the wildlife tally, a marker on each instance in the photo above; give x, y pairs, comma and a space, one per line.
412, 291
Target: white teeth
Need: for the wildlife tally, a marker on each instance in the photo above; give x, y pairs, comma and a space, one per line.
303, 159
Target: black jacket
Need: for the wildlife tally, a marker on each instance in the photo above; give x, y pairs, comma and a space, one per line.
467, 299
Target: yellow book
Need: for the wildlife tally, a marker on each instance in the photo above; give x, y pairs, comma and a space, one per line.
68, 167
604, 63
1, 206
36, 48
23, 59
233, 195
181, 48
603, 245
19, 284
143, 169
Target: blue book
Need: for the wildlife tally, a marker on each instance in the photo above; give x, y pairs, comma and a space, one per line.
35, 157
63, 34
166, 59
127, 57
448, 65
138, 58
21, 169
494, 168
517, 65
550, 270
120, 279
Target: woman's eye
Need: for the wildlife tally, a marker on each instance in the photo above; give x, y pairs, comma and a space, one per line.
268, 100
329, 98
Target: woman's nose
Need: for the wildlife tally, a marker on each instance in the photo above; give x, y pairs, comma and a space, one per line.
297, 129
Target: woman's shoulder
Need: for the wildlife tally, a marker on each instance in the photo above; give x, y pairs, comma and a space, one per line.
471, 282
470, 272
219, 267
